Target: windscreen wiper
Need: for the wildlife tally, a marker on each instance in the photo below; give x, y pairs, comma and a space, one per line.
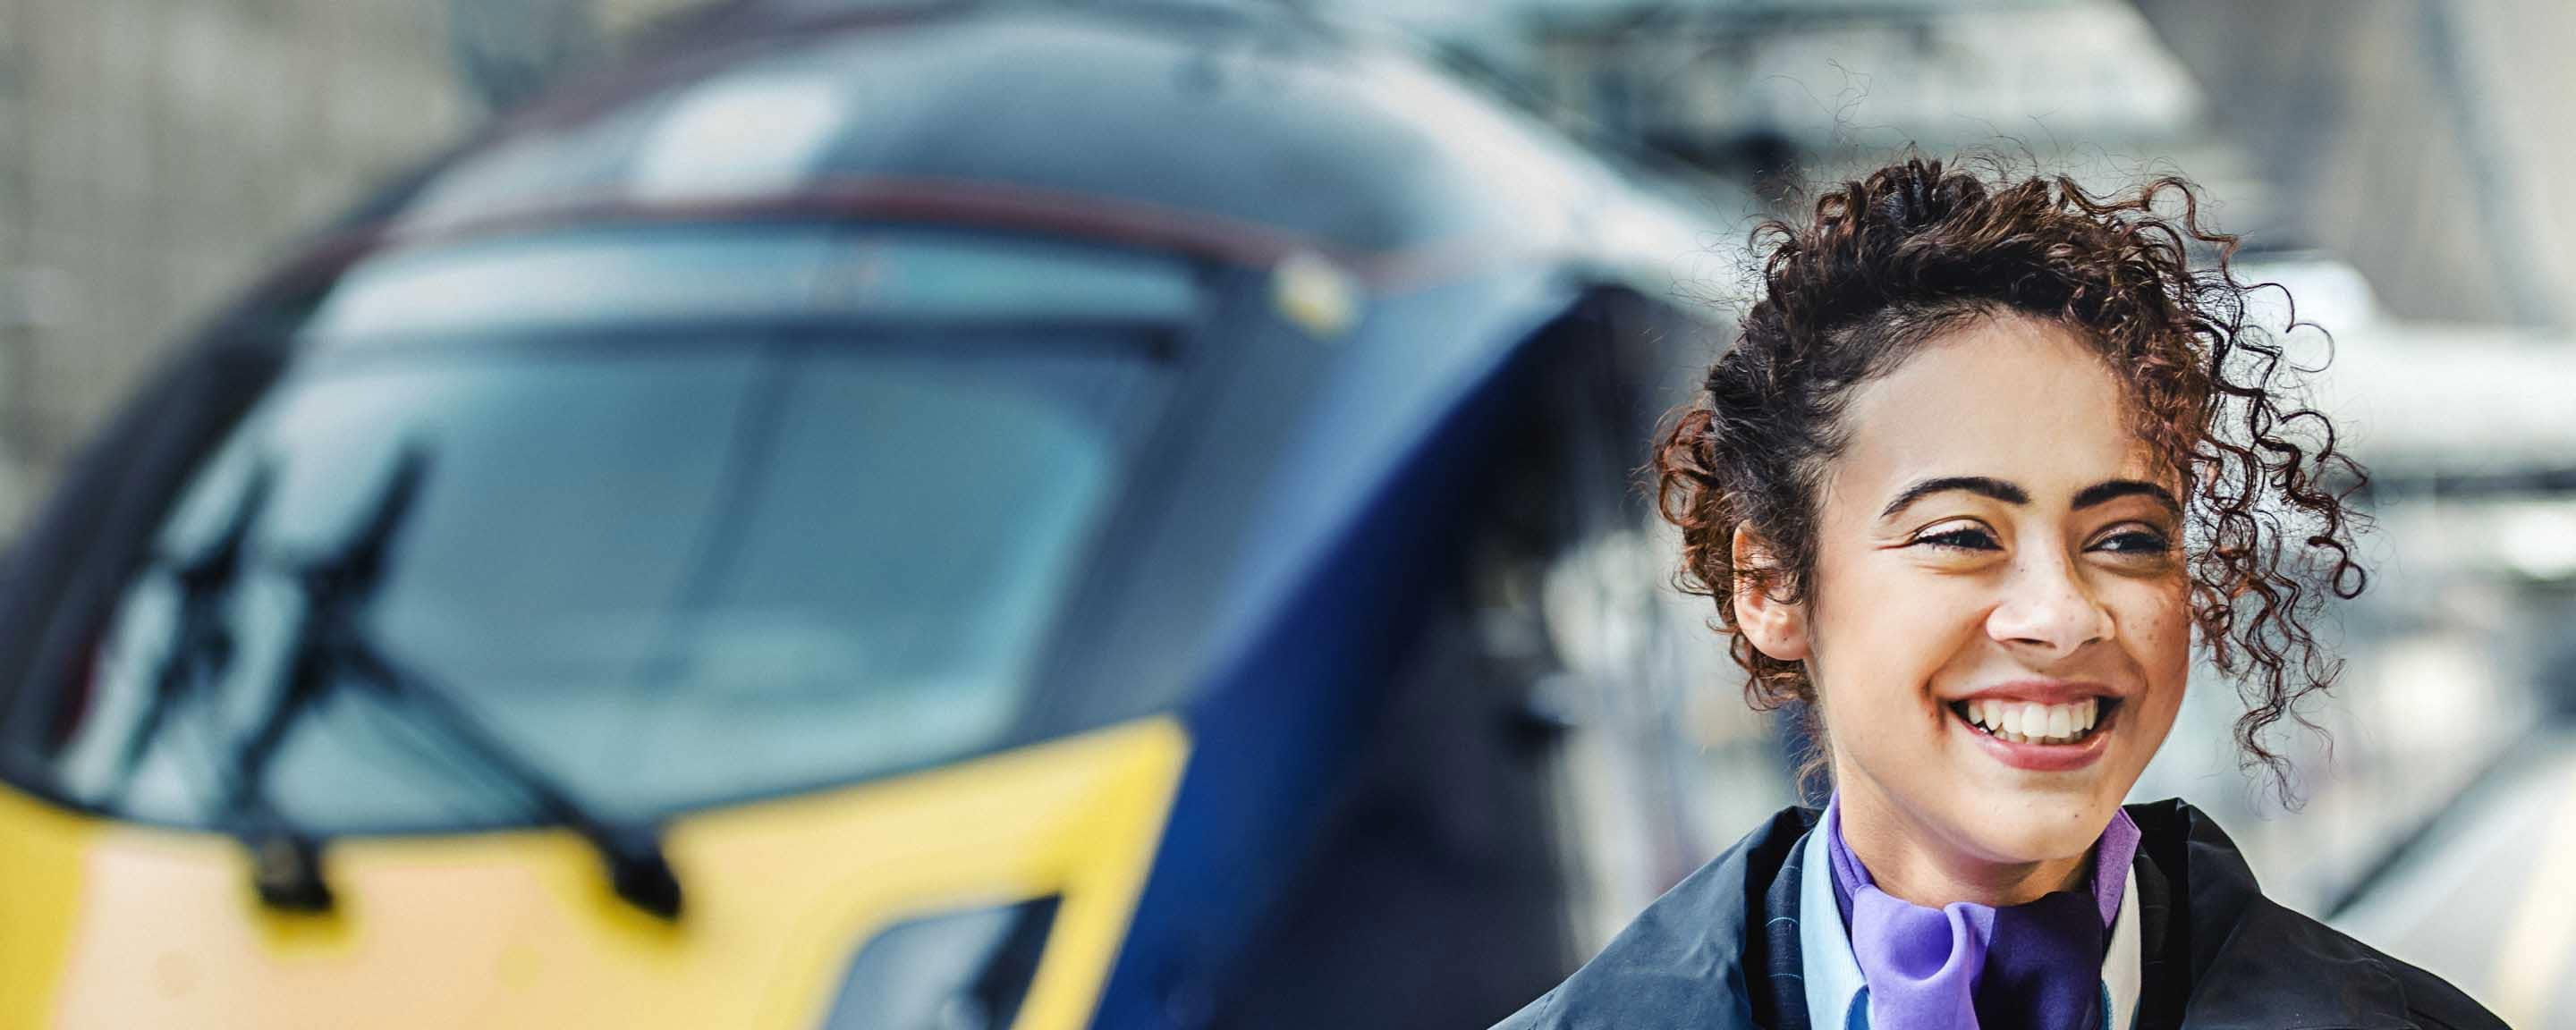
201, 641
333, 648
285, 860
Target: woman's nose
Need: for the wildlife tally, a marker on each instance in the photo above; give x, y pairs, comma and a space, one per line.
2048, 606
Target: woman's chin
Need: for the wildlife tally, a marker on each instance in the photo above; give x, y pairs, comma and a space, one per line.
2035, 828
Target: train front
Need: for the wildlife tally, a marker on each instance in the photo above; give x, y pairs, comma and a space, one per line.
772, 540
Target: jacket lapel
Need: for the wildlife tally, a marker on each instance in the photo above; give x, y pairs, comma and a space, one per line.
1692, 961
2220, 956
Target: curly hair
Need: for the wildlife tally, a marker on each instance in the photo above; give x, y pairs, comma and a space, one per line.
1912, 252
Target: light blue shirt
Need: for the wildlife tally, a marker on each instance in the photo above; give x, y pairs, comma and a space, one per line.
1837, 997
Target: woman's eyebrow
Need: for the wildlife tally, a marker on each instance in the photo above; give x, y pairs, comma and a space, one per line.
2113, 489
1982, 485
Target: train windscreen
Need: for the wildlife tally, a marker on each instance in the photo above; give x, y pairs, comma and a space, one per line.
665, 562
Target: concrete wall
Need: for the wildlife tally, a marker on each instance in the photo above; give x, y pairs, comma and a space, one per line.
155, 155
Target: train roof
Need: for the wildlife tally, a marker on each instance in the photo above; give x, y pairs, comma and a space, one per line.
1243, 132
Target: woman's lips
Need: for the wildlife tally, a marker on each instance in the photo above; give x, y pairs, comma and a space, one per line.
2039, 757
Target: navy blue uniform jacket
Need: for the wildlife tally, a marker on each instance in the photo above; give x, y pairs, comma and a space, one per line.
1720, 950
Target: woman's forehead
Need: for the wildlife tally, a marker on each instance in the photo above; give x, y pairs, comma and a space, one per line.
2015, 399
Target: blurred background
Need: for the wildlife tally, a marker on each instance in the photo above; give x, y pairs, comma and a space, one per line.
176, 175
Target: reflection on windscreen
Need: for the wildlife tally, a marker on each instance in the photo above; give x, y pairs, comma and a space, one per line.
666, 575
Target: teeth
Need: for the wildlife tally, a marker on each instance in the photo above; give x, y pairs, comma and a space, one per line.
2022, 722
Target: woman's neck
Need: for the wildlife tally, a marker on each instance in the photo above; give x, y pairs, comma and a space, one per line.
1914, 863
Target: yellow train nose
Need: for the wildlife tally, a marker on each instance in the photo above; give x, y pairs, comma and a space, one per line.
115, 925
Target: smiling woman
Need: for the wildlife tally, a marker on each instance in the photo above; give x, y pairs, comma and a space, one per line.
1993, 537
1989, 458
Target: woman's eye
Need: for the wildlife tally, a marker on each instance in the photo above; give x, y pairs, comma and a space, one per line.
1964, 538
2135, 542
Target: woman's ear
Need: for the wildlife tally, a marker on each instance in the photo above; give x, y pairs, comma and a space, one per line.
1776, 628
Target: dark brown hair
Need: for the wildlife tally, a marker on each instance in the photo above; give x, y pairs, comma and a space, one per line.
1914, 251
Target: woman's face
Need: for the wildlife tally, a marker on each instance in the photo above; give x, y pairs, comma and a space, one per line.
1999, 630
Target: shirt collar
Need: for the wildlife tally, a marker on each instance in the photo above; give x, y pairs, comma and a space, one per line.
1833, 979
1836, 994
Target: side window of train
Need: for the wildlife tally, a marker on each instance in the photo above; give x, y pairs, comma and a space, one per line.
1526, 784
1542, 769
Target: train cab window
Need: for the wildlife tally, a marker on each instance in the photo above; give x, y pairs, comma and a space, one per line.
666, 570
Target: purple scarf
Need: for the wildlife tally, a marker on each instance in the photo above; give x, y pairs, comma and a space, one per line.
1965, 965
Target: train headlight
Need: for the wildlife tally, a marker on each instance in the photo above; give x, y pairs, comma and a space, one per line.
967, 969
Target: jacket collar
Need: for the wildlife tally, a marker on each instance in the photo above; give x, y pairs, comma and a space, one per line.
2235, 958
2217, 954
1696, 958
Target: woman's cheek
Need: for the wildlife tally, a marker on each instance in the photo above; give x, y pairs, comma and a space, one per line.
1926, 644
2159, 641
2164, 631
1910, 633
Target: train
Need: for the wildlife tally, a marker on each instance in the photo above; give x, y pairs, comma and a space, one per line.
879, 518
